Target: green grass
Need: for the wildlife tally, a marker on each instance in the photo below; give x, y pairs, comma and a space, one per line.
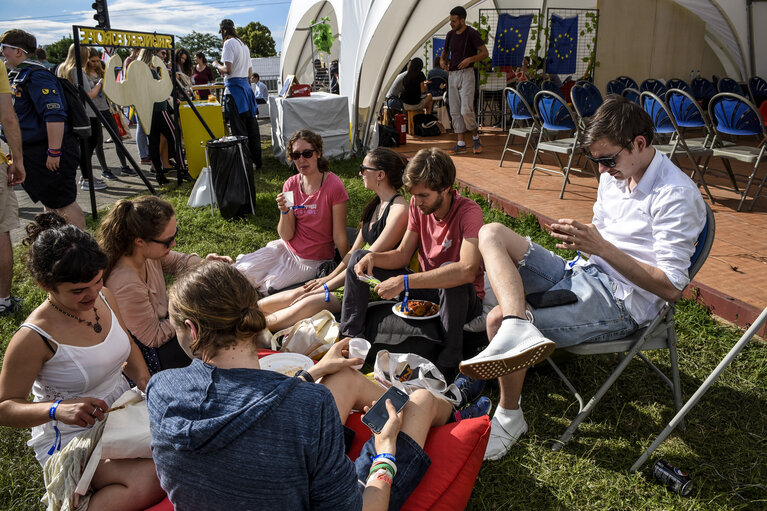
724, 447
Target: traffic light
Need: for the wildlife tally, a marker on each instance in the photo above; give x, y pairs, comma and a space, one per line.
102, 14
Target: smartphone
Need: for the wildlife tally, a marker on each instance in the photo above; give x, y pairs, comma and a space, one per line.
378, 414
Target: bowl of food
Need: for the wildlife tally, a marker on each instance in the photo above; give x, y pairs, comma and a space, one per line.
417, 309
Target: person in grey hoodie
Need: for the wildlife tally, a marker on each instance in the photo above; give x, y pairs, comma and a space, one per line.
227, 435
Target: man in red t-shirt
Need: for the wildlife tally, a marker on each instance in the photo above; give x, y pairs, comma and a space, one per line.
463, 47
444, 228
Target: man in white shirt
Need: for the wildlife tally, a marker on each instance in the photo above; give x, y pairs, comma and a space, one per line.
647, 218
260, 89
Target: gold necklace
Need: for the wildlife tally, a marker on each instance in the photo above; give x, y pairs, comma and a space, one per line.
95, 326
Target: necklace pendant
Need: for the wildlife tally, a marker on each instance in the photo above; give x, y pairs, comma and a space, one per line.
97, 327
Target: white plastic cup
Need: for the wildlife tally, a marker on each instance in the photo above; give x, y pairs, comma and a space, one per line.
358, 348
288, 198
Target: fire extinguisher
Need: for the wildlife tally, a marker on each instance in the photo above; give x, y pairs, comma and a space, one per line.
400, 124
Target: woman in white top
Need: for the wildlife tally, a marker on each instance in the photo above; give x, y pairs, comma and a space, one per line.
240, 105
71, 353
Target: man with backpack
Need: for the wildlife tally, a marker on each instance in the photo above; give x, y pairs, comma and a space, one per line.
51, 153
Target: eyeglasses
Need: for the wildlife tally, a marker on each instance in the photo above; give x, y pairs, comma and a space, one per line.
167, 243
608, 161
4, 46
307, 153
364, 168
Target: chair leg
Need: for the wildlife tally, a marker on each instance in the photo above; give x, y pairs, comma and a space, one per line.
509, 139
524, 152
702, 174
758, 192
568, 434
567, 173
732, 176
567, 383
535, 158
696, 170
748, 186
674, 361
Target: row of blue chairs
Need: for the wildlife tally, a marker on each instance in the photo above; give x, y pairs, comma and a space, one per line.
537, 113
700, 88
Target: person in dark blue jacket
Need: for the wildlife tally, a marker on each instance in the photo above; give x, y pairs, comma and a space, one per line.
51, 153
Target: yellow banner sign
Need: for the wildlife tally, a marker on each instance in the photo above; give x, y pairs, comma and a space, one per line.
121, 38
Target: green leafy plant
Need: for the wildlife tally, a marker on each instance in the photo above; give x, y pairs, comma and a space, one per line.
485, 66
590, 29
322, 35
426, 52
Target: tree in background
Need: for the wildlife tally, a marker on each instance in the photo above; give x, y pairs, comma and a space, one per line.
258, 38
57, 52
209, 44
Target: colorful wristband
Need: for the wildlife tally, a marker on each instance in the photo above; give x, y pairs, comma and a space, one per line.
382, 475
327, 292
385, 455
284, 212
404, 307
54, 153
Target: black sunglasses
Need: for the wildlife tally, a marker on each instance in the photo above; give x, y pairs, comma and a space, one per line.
608, 161
363, 168
166, 243
307, 153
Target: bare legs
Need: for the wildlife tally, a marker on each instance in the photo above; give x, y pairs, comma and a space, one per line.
72, 213
128, 484
353, 391
281, 312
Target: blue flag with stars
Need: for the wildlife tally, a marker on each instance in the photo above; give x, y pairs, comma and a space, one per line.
563, 45
511, 39
437, 45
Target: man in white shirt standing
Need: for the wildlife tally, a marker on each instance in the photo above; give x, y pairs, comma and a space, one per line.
647, 218
240, 104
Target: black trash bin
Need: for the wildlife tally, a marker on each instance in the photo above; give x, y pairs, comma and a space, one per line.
233, 184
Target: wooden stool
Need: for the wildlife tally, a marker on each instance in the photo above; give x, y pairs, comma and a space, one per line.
410, 123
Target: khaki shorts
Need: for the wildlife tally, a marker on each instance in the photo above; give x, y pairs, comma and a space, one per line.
9, 206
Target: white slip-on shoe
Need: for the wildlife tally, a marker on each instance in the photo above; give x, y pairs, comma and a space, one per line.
502, 438
517, 345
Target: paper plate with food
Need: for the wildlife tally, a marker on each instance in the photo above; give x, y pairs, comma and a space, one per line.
286, 363
417, 309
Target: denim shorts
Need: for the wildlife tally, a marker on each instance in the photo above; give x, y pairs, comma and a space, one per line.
412, 463
597, 315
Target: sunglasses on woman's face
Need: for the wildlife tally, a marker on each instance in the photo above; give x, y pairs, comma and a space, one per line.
167, 243
364, 168
607, 161
307, 153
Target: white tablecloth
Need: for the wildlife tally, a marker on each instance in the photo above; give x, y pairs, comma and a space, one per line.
323, 113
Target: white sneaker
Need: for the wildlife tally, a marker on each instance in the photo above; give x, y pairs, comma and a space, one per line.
517, 345
505, 430
98, 184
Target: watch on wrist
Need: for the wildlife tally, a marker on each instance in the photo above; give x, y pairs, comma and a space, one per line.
304, 375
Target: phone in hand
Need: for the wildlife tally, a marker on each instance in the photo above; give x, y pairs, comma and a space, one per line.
377, 416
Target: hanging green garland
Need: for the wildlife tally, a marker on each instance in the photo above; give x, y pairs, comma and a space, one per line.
322, 35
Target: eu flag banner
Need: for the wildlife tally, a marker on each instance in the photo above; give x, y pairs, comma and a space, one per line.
511, 39
563, 45
437, 45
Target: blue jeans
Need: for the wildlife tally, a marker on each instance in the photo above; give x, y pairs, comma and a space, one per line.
142, 141
597, 316
412, 463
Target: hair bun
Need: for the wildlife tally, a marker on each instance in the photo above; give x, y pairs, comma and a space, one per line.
42, 223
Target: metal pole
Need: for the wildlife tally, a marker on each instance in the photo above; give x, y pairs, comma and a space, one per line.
760, 321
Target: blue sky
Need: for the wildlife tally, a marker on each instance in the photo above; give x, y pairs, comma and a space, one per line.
49, 20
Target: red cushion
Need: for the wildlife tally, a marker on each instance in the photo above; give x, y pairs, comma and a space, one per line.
456, 451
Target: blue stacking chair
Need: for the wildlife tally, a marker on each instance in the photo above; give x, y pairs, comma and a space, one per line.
556, 117
734, 115
627, 82
586, 99
631, 94
659, 334
614, 87
678, 83
757, 88
727, 84
528, 90
550, 86
523, 124
688, 114
665, 124
703, 90
654, 86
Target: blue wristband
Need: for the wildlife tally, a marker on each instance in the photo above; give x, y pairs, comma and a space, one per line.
327, 292
404, 307
56, 441
384, 455
284, 212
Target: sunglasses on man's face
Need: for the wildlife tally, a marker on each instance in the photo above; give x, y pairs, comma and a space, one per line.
4, 46
308, 153
608, 161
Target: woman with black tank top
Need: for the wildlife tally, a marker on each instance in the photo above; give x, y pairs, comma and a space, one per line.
383, 224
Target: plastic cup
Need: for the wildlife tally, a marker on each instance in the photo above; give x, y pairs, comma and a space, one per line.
358, 348
288, 198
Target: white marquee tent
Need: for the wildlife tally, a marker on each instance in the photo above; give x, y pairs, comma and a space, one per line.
375, 38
